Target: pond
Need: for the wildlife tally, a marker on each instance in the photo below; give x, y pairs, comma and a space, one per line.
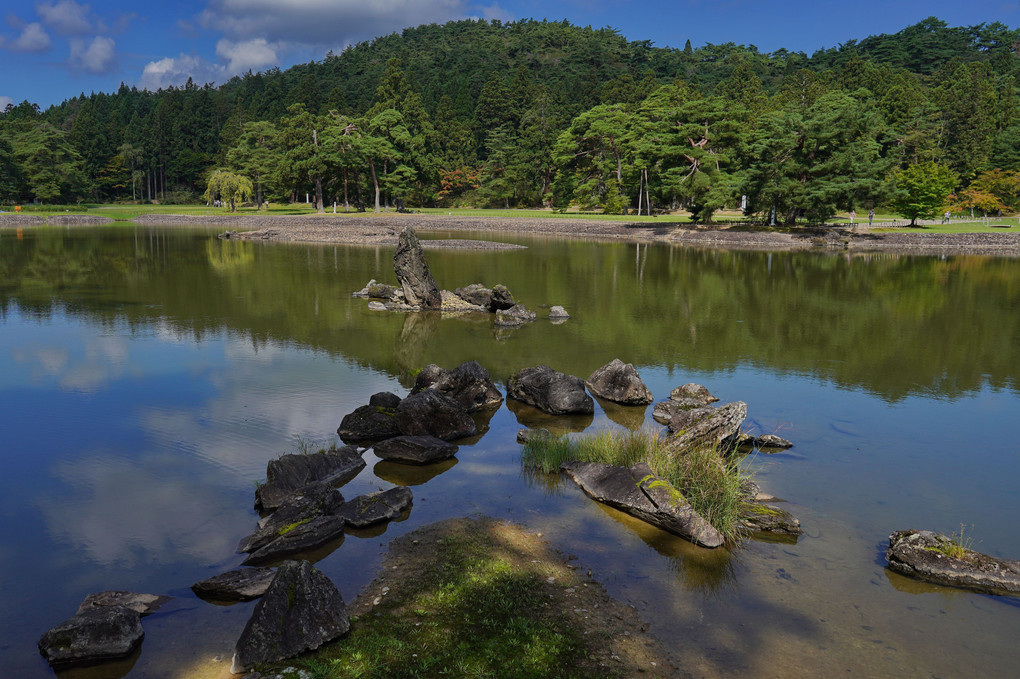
149, 374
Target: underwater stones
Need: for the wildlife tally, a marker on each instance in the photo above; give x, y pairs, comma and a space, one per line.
550, 391
929, 556
767, 518
619, 382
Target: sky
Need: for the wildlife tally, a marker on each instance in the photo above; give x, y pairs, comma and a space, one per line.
52, 50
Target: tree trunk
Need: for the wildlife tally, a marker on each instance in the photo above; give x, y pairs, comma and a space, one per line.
375, 182
318, 195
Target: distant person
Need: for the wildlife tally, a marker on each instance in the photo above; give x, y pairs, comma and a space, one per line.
945, 217
871, 217
853, 215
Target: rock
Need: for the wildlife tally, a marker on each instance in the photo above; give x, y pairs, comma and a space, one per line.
420, 289
550, 391
639, 492
469, 384
922, 555
501, 299
713, 427
665, 411
476, 294
515, 316
771, 441
365, 510
415, 449
299, 508
380, 291
619, 382
99, 634
529, 435
453, 303
692, 395
290, 473
301, 536
558, 312
301, 610
143, 604
765, 518
364, 291
377, 306
435, 414
242, 584
384, 399
369, 423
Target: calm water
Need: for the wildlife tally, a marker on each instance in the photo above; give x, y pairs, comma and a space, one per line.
148, 375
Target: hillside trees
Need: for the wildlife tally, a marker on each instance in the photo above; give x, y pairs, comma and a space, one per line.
255, 154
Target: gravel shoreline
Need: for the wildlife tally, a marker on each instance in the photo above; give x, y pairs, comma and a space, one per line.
370, 229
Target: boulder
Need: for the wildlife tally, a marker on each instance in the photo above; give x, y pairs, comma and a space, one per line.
500, 299
369, 423
766, 518
925, 555
385, 400
692, 395
301, 536
476, 294
380, 291
469, 384
619, 382
242, 584
558, 313
100, 633
516, 315
301, 610
299, 508
451, 303
143, 604
639, 492
371, 508
420, 289
432, 413
414, 449
290, 473
550, 391
713, 427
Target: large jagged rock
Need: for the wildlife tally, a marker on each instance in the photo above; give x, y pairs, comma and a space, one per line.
469, 384
301, 610
414, 449
241, 584
373, 422
143, 604
99, 634
515, 316
640, 493
550, 391
372, 508
301, 507
432, 413
420, 289
500, 299
711, 427
922, 554
619, 382
290, 473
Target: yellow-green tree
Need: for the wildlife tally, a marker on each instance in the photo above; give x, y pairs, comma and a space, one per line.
229, 188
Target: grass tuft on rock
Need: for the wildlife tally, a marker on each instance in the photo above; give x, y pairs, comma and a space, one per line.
711, 482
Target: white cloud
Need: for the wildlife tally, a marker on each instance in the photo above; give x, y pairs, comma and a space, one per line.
5, 102
251, 54
93, 57
176, 71
33, 38
66, 17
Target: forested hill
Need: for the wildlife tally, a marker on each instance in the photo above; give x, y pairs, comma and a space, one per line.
495, 112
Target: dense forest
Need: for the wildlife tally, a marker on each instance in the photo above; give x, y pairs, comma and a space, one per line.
535, 113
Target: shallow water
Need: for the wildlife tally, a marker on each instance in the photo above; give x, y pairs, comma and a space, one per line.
149, 374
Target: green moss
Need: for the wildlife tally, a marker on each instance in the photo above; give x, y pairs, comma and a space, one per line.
761, 509
291, 526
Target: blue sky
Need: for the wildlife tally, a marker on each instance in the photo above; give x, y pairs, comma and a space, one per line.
51, 50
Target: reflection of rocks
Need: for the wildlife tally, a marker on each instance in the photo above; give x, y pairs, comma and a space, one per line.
143, 604
712, 427
414, 449
533, 418
301, 610
629, 417
99, 634
420, 289
932, 557
550, 391
469, 384
432, 413
411, 475
619, 382
242, 584
289, 473
639, 492
372, 508
515, 316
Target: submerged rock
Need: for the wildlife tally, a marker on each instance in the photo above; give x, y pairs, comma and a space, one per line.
143, 604
550, 391
301, 610
640, 493
619, 382
241, 584
416, 281
539, 434
766, 518
926, 555
96, 635
414, 449
290, 473
469, 384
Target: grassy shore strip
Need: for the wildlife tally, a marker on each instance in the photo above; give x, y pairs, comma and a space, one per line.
711, 483
482, 598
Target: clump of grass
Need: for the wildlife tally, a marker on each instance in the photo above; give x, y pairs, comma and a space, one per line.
955, 546
307, 446
711, 482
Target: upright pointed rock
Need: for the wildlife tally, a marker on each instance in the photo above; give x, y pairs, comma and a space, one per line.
420, 289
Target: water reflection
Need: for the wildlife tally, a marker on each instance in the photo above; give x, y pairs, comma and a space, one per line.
411, 475
533, 418
628, 417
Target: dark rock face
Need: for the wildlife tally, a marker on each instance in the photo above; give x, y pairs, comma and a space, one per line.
415, 449
469, 384
713, 427
516, 315
692, 395
765, 518
299, 508
476, 294
366, 510
299, 612
420, 289
384, 399
290, 473
368, 423
98, 634
500, 299
619, 382
639, 492
300, 537
143, 604
431, 413
921, 554
550, 391
242, 584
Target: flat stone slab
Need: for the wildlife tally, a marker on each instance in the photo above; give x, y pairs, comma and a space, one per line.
921, 554
143, 604
713, 427
415, 449
372, 508
298, 538
640, 493
301, 507
290, 473
242, 584
98, 634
